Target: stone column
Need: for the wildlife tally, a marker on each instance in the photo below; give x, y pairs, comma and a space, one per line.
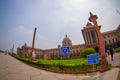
33, 42
102, 50
93, 19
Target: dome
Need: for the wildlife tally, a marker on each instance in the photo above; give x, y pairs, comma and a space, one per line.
66, 41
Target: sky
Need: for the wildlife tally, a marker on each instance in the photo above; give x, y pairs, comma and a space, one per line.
53, 20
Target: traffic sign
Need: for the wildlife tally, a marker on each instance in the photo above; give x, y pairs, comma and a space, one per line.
93, 58
65, 50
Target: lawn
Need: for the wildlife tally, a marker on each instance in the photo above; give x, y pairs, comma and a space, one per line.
64, 62
60, 65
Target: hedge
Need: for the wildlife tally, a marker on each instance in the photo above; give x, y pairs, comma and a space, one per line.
60, 67
117, 49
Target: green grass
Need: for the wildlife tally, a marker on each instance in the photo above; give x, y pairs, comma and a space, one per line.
66, 62
59, 65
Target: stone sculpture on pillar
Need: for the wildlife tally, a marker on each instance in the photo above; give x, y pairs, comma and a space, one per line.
103, 63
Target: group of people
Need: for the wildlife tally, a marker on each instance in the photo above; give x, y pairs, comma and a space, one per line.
110, 51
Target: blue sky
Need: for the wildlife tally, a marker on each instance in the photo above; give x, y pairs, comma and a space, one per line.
53, 19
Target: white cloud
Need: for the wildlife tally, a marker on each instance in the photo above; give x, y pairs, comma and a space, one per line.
22, 30
73, 22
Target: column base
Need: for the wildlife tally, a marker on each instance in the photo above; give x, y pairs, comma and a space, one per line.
103, 64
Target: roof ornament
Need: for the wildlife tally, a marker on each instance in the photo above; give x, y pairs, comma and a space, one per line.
66, 35
91, 14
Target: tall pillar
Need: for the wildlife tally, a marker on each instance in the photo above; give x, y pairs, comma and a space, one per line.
33, 42
96, 34
93, 19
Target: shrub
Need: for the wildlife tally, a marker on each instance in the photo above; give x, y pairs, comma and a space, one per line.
86, 52
57, 66
117, 49
109, 66
60, 66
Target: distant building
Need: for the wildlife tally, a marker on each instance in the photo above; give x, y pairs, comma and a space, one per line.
112, 38
54, 52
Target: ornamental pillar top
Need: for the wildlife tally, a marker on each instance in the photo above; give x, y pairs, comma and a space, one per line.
92, 17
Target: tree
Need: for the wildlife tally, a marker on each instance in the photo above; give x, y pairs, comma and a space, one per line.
86, 52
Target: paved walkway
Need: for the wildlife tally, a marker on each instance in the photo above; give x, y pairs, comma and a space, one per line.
12, 69
116, 60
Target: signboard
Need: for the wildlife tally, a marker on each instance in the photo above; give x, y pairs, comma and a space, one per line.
65, 50
93, 58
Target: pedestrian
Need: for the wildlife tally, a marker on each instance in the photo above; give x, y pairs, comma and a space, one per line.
111, 53
108, 52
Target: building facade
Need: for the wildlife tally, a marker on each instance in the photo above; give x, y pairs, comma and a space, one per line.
90, 37
54, 53
112, 38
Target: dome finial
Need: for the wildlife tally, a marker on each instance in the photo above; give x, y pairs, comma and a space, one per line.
91, 14
66, 35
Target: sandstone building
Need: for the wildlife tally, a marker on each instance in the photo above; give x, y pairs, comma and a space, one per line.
110, 38
54, 52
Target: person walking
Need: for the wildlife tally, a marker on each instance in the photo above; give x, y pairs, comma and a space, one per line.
111, 53
108, 52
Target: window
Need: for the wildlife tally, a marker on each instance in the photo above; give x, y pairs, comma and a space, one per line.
109, 41
105, 42
89, 37
93, 37
65, 42
111, 35
116, 39
77, 51
113, 40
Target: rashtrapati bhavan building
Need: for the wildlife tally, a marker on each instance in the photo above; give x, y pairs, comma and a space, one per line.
110, 39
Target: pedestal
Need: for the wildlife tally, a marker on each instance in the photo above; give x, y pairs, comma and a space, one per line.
103, 64
33, 58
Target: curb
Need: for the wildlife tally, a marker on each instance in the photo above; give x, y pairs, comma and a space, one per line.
118, 77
